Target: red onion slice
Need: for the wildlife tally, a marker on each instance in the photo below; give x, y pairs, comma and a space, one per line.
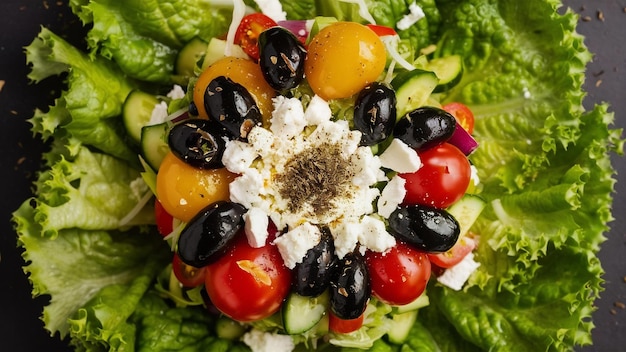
463, 140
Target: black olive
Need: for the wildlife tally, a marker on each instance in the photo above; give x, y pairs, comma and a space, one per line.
312, 276
375, 113
426, 228
425, 127
350, 287
193, 109
232, 106
198, 143
207, 235
281, 57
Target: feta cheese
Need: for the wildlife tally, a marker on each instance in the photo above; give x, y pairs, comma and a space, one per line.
256, 221
238, 156
287, 117
177, 92
415, 14
345, 237
456, 276
400, 157
373, 235
294, 244
272, 9
159, 114
367, 167
244, 189
260, 341
317, 112
392, 195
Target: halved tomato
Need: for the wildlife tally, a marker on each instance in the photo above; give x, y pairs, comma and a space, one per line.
454, 255
248, 32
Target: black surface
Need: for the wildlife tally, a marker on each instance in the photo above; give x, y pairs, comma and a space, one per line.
20, 327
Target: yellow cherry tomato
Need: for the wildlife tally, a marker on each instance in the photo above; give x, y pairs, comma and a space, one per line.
242, 71
184, 190
342, 59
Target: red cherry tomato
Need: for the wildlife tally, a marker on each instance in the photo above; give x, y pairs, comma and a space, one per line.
442, 179
248, 283
344, 326
189, 276
454, 255
164, 221
463, 115
381, 30
400, 275
248, 32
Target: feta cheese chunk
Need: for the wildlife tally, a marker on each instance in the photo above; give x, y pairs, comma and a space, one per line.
260, 341
272, 9
374, 235
294, 244
256, 227
400, 157
415, 14
456, 276
238, 156
392, 195
317, 112
287, 117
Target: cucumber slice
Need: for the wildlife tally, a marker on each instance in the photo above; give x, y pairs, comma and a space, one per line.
154, 145
215, 51
226, 328
466, 210
449, 70
401, 326
420, 302
189, 56
413, 88
301, 313
136, 112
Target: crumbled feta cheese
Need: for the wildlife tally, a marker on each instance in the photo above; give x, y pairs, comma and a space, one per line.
294, 244
345, 237
392, 195
415, 14
261, 140
256, 227
456, 276
287, 117
400, 157
367, 167
238, 156
474, 175
317, 112
244, 189
177, 92
159, 114
336, 133
373, 235
272, 9
260, 341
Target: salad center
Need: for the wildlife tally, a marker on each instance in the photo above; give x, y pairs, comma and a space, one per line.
315, 177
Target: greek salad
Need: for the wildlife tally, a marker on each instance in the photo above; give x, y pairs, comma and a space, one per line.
319, 175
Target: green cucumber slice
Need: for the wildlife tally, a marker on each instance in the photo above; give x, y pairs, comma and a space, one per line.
136, 112
154, 145
300, 313
449, 70
413, 88
466, 210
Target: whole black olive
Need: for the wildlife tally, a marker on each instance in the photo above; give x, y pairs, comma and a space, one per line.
281, 57
425, 127
426, 228
207, 235
350, 287
232, 106
198, 143
312, 276
375, 113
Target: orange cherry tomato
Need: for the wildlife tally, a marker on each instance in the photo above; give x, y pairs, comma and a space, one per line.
242, 71
184, 190
342, 59
248, 32
463, 115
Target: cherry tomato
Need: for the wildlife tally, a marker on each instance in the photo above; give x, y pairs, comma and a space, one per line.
184, 190
248, 32
242, 71
344, 326
442, 180
342, 59
400, 275
463, 115
248, 283
187, 275
164, 220
454, 255
381, 30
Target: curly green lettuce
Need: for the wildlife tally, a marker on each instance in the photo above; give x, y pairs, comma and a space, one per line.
543, 163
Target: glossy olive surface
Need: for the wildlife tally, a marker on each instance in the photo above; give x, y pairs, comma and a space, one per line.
206, 237
375, 113
198, 142
350, 287
426, 228
425, 127
281, 58
232, 106
312, 276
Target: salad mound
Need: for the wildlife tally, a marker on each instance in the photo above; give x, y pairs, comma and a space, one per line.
89, 231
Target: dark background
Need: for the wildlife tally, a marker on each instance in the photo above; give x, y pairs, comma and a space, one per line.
603, 22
